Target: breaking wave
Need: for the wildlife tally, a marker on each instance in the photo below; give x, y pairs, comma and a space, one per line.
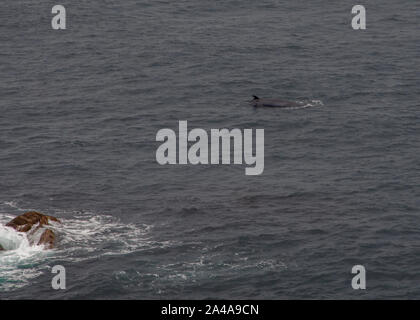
18, 264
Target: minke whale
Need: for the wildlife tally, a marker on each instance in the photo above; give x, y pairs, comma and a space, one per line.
273, 103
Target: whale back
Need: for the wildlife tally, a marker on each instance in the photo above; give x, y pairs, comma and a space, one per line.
273, 103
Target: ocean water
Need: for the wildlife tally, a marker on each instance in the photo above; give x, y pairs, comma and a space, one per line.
80, 109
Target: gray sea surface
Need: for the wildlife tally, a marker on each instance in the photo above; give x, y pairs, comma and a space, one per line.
79, 113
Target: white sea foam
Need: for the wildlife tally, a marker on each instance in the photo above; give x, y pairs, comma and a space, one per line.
86, 234
10, 239
18, 264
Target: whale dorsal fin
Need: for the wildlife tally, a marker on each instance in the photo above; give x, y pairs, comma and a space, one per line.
256, 98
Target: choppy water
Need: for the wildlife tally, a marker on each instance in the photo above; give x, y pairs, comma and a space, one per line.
80, 110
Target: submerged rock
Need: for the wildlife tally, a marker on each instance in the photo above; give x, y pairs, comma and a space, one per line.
35, 225
1, 248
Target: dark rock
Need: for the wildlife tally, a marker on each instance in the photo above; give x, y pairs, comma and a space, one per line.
25, 222
30, 223
47, 239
